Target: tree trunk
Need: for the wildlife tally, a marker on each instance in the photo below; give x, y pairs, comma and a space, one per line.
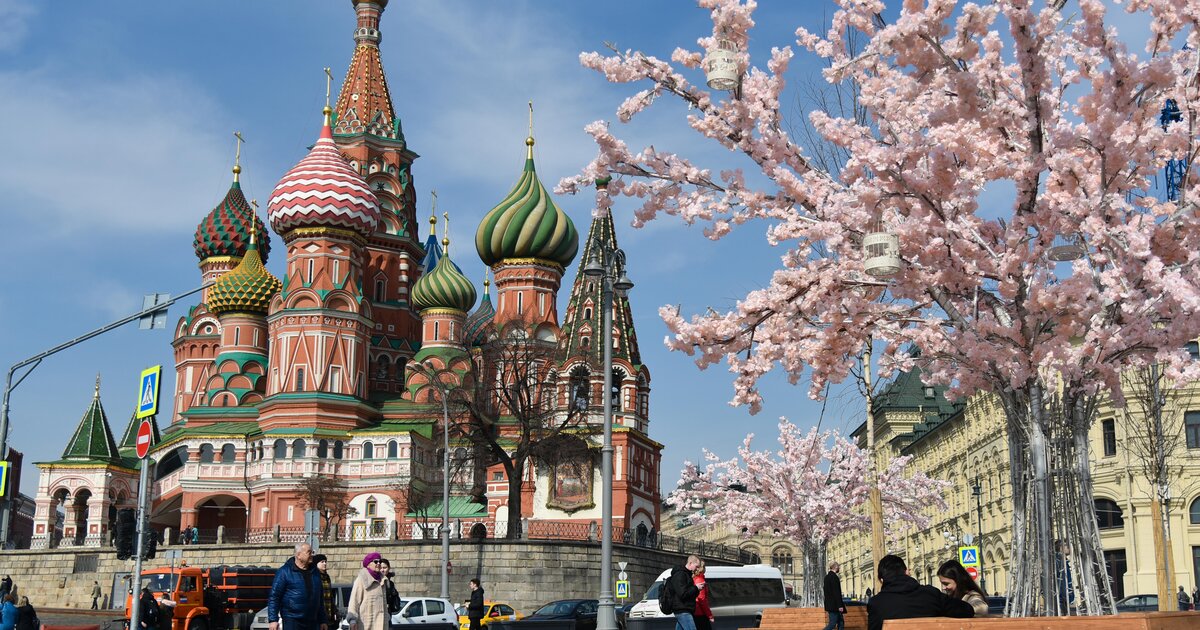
814, 574
516, 482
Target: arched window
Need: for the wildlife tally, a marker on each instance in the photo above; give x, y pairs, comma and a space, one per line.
617, 376
382, 367
393, 450
228, 454
1108, 514
379, 291
368, 450
1194, 513
280, 449
323, 449
298, 449
782, 559
206, 453
337, 449
579, 388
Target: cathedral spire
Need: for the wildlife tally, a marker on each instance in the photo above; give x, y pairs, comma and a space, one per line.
92, 440
364, 104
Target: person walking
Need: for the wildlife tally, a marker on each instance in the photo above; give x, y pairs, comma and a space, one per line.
835, 608
1185, 602
475, 606
8, 612
6, 585
367, 608
901, 597
27, 618
959, 584
681, 594
331, 613
148, 617
96, 594
703, 615
389, 586
295, 597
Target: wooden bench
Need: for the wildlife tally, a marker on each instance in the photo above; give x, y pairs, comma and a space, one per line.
809, 618
1124, 621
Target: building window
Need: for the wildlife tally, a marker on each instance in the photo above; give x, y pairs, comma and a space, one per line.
782, 560
323, 449
299, 447
1108, 515
393, 450
1191, 428
280, 449
228, 454
300, 379
368, 450
1193, 349
579, 388
337, 449
1194, 513
372, 508
1116, 564
379, 290
335, 379
587, 313
1109, 428
206, 453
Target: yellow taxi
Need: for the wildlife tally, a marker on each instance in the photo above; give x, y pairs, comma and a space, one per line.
492, 611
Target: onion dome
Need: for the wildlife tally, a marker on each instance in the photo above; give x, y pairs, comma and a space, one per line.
226, 230
247, 288
527, 224
477, 322
323, 191
444, 287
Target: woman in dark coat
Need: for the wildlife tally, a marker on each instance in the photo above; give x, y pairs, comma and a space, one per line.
26, 616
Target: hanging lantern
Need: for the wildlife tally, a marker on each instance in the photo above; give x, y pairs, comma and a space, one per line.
1066, 248
881, 254
721, 66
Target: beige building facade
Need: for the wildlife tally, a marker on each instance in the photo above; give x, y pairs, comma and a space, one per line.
966, 445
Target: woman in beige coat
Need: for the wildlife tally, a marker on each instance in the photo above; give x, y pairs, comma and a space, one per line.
367, 608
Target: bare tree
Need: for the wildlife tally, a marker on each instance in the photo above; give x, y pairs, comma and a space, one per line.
327, 496
508, 408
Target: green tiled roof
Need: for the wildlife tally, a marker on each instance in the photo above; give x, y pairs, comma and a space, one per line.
92, 441
129, 440
460, 507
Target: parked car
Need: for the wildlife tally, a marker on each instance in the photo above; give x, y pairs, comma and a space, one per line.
341, 595
996, 605
492, 611
582, 611
1138, 603
425, 610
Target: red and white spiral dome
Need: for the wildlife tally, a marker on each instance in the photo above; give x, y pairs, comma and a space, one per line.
323, 191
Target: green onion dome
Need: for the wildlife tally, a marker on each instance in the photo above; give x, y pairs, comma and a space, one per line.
247, 288
527, 224
226, 230
444, 287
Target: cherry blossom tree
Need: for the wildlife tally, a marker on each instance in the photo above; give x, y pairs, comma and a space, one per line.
964, 101
809, 491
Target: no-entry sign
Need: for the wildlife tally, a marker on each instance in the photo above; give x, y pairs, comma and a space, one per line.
973, 572
145, 431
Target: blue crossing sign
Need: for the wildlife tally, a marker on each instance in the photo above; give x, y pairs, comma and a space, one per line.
151, 383
968, 556
622, 589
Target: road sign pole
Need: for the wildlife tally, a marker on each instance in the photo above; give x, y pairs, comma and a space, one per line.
135, 605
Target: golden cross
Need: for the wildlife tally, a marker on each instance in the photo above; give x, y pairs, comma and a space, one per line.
328, 85
530, 119
433, 214
446, 239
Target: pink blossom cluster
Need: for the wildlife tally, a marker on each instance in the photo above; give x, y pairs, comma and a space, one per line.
812, 489
962, 98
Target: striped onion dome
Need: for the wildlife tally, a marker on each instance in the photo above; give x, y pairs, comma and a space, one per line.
527, 224
247, 288
323, 191
226, 230
477, 322
444, 287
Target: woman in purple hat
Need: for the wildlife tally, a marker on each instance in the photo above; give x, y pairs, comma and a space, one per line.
367, 608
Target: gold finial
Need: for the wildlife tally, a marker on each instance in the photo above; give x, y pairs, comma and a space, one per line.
446, 238
529, 140
237, 158
97, 384
253, 232
433, 214
486, 280
328, 86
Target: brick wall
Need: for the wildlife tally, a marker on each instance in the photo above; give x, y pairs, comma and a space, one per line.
524, 573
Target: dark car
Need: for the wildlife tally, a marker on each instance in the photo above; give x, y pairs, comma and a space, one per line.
847, 602
580, 611
996, 605
1138, 603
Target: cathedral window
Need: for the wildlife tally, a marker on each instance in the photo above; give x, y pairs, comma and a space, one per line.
615, 392
379, 297
541, 304
338, 447
335, 379
585, 342
323, 449
299, 448
228, 454
300, 379
437, 330
368, 450
237, 336
337, 270
310, 270
579, 389
372, 507
520, 302
587, 313
206, 453
280, 449
393, 449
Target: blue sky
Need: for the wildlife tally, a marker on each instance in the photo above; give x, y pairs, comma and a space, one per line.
119, 140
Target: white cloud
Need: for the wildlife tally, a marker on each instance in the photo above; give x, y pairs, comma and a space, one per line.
109, 154
14, 23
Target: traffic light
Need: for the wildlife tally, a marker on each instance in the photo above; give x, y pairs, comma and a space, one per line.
149, 541
126, 531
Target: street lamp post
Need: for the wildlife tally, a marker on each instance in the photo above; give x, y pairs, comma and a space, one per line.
977, 492
608, 266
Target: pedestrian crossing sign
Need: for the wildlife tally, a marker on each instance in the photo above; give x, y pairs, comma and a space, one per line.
151, 383
968, 556
4, 478
622, 589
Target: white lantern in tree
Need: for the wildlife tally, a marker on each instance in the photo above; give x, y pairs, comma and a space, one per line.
1066, 249
881, 254
721, 66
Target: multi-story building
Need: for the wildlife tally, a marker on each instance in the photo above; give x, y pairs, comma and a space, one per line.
966, 445
311, 375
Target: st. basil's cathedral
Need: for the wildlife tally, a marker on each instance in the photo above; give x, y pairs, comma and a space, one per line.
323, 373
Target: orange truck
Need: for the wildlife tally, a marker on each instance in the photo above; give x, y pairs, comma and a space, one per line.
215, 598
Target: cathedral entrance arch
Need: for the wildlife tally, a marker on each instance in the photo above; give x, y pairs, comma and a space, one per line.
78, 515
222, 510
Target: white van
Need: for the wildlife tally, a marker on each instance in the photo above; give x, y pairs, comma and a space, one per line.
732, 591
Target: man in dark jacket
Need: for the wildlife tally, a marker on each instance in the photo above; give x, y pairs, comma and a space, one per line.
901, 597
683, 592
834, 606
296, 597
475, 608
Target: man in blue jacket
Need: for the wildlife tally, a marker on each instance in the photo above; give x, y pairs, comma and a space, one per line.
296, 597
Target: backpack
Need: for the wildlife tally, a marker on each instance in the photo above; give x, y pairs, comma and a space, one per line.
665, 603
393, 598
